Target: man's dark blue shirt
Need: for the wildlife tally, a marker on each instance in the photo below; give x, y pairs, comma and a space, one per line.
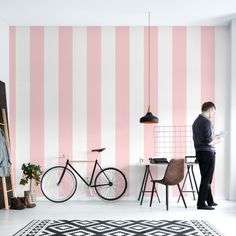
202, 134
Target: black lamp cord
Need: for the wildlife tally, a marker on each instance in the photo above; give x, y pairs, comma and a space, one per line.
149, 64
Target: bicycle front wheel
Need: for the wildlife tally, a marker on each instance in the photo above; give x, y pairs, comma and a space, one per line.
54, 189
110, 184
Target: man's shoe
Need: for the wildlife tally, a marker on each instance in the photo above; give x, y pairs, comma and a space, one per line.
213, 204
205, 207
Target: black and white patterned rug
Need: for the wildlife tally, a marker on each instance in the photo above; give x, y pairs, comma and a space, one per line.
118, 228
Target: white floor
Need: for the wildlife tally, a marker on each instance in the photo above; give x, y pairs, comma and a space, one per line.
223, 217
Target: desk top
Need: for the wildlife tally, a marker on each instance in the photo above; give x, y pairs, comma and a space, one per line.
147, 163
190, 163
150, 164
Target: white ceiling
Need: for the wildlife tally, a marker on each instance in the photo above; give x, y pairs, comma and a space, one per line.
117, 12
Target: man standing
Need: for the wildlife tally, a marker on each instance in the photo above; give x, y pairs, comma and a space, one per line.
204, 141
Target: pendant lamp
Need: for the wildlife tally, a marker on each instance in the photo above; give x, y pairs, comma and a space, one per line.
149, 118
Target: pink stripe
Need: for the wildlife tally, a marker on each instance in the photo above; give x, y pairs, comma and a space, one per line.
37, 95
65, 120
179, 85
148, 129
93, 91
208, 68
12, 93
122, 99
179, 76
207, 64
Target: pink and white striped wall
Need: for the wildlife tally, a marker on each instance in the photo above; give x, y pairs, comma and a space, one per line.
77, 88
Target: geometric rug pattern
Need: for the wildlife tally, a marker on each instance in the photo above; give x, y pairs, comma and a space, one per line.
118, 228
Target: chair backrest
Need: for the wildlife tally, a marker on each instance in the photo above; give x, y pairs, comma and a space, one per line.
174, 172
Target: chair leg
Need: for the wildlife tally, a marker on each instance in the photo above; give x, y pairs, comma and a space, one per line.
157, 196
184, 181
153, 189
167, 198
181, 194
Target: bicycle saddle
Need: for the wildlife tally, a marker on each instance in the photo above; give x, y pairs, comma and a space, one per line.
98, 150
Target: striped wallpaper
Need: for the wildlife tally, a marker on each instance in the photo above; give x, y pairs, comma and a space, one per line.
73, 89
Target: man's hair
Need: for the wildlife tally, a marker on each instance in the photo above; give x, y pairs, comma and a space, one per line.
208, 105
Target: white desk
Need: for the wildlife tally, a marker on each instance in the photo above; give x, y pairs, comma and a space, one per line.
147, 173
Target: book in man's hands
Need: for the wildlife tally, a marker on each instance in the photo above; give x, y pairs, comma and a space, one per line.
220, 135
218, 138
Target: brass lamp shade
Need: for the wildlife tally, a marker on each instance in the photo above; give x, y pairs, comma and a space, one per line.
149, 118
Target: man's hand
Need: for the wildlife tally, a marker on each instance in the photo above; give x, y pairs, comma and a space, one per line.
217, 139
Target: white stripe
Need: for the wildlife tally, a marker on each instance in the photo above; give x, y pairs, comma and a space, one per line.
193, 73
164, 83
165, 75
136, 107
51, 96
221, 101
232, 117
22, 101
193, 85
4, 58
108, 95
80, 103
80, 93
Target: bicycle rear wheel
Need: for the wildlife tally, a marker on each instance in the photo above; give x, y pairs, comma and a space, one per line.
110, 184
55, 191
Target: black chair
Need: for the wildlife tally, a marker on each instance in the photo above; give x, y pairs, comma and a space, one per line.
173, 176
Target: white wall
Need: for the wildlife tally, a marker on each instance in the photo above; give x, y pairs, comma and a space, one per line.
232, 115
4, 55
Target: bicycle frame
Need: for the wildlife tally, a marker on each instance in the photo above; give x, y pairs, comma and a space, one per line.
109, 183
89, 184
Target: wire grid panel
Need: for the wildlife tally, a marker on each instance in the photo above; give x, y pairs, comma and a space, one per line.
173, 141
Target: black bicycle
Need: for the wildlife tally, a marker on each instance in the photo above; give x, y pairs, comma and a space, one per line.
59, 183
